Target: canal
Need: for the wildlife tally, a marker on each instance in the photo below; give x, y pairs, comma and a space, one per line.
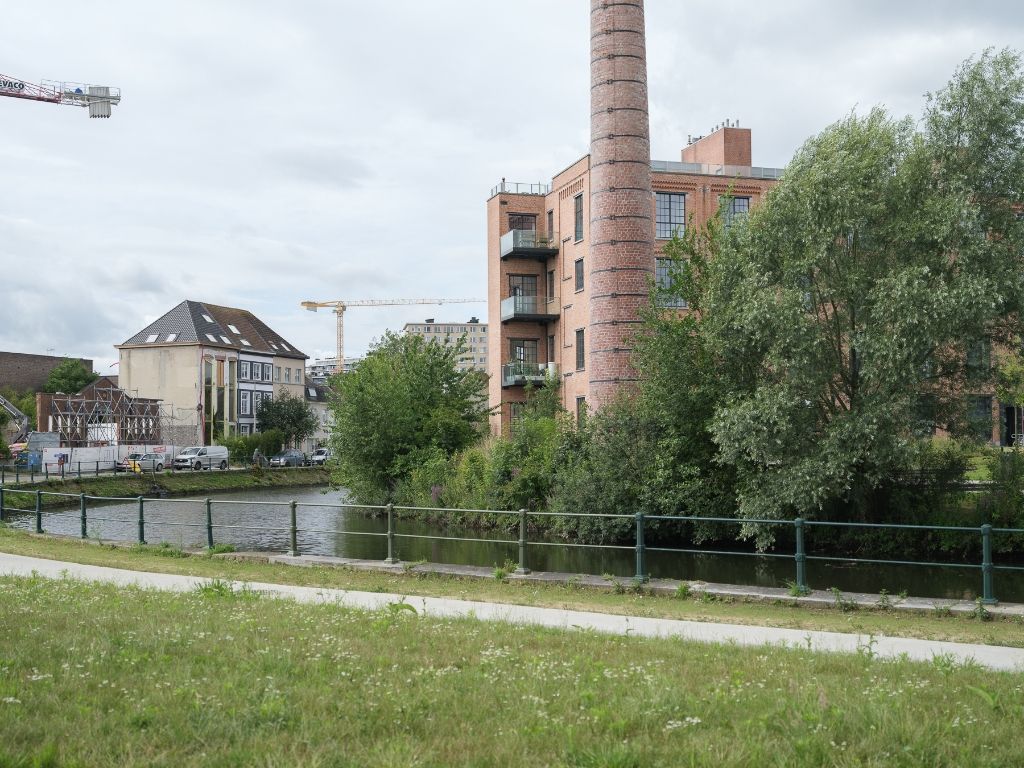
341, 532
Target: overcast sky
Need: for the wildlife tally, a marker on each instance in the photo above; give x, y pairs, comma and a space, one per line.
265, 153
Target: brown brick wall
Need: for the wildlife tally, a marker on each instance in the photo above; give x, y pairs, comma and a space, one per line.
24, 372
621, 248
726, 146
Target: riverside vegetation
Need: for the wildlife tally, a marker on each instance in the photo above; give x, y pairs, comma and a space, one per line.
830, 333
96, 675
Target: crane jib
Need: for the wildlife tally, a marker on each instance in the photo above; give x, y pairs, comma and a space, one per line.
12, 85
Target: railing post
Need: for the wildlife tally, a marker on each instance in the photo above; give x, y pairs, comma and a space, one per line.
391, 559
17, 474
81, 509
1, 503
97, 468
801, 557
39, 511
209, 523
522, 569
142, 521
3, 474
46, 471
987, 595
294, 532
641, 565
79, 470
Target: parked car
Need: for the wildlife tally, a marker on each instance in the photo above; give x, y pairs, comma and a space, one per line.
202, 457
150, 462
320, 456
289, 457
125, 464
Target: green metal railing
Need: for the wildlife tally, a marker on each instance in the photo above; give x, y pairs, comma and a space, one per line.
639, 547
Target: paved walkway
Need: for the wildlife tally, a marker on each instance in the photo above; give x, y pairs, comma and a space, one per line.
993, 657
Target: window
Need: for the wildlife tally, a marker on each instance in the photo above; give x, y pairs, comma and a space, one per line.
527, 221
578, 213
516, 411
670, 215
267, 371
225, 339
298, 375
581, 409
522, 285
245, 343
245, 402
580, 357
285, 347
233, 329
579, 275
523, 351
551, 348
172, 336
979, 416
734, 207
151, 338
979, 358
287, 375
211, 338
551, 284
207, 318
277, 373
245, 429
243, 370
663, 280
551, 224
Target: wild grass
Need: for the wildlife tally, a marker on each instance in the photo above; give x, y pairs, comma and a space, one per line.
98, 675
696, 604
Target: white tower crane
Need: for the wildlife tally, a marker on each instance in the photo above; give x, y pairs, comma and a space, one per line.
98, 98
341, 305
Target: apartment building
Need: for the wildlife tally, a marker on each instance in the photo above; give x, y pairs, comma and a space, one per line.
213, 364
475, 333
321, 369
570, 264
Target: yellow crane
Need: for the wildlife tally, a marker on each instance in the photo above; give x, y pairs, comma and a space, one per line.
341, 305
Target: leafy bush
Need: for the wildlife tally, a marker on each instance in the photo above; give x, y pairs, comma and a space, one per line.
242, 447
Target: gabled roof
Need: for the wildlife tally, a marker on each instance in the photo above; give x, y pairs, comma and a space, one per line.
193, 322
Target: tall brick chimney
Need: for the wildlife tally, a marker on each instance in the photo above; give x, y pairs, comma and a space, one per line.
621, 229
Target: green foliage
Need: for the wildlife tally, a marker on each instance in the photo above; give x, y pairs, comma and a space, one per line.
855, 293
241, 447
70, 377
406, 404
291, 416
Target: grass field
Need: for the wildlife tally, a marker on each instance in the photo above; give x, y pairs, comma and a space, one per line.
99, 676
998, 631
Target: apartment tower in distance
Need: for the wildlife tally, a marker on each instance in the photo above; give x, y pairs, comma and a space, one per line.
571, 264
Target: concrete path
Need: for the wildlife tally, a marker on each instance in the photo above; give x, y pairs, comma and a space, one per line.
993, 657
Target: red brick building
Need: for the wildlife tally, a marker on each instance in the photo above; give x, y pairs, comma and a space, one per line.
570, 264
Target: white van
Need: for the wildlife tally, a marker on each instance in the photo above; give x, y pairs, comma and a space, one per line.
202, 457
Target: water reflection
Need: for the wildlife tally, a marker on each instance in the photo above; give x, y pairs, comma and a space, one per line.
331, 530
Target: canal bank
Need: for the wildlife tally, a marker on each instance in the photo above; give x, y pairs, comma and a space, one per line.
324, 525
167, 484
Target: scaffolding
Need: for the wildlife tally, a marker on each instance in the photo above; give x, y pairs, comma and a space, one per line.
108, 415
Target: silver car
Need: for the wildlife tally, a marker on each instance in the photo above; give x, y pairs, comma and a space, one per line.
151, 462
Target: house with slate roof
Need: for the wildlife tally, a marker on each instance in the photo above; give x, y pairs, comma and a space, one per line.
216, 363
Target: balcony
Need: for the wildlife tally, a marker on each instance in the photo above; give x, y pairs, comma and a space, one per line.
519, 374
539, 309
529, 244
519, 188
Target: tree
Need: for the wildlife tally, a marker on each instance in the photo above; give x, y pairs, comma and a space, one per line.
854, 297
291, 416
405, 404
69, 377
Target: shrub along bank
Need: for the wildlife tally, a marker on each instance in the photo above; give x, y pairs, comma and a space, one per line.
176, 484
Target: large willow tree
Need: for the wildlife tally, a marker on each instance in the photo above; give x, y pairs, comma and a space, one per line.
849, 307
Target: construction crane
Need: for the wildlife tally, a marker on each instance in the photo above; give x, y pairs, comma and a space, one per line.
98, 98
341, 305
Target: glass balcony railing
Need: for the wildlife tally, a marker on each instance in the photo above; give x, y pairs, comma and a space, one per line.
538, 308
518, 374
519, 188
529, 242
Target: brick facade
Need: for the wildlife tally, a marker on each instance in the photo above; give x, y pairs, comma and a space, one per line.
28, 373
615, 187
